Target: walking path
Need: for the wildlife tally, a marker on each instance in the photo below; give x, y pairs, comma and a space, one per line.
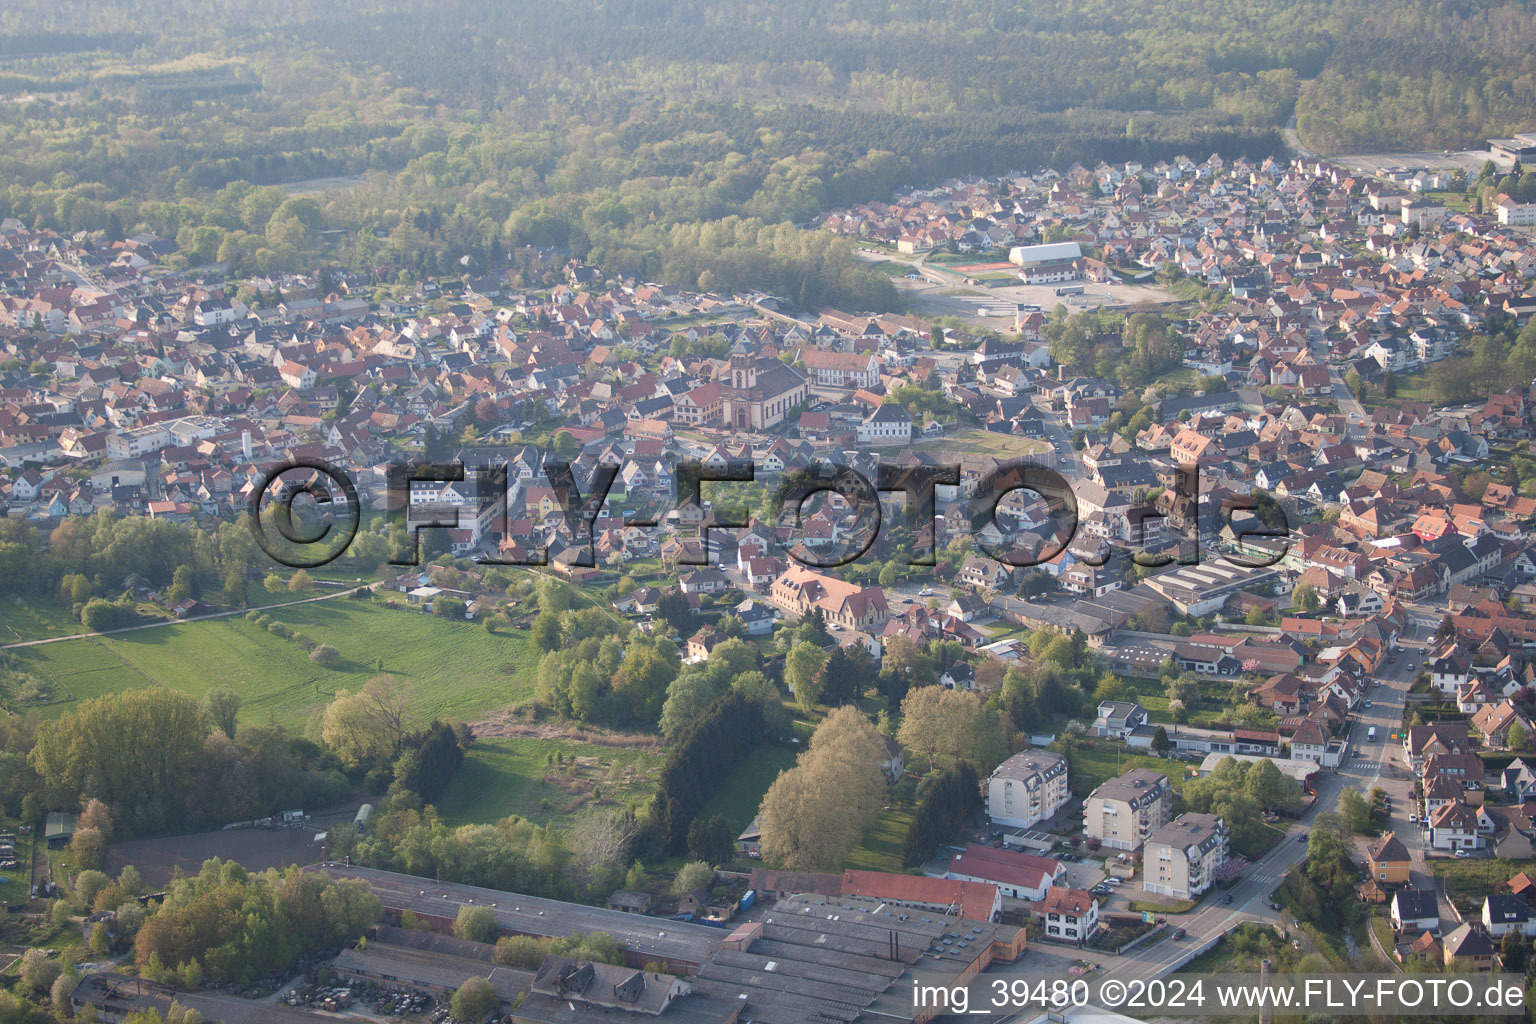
177, 622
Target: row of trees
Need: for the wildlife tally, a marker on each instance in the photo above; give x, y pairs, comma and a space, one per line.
585, 860
155, 756
237, 926
701, 757
815, 813
945, 802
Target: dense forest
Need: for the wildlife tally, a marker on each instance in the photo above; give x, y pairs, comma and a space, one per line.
676, 140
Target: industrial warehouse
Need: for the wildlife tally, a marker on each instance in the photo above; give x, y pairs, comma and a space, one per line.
808, 957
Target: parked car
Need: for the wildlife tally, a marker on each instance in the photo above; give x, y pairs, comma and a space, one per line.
1301, 837
1462, 853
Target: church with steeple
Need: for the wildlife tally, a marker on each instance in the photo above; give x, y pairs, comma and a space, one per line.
761, 392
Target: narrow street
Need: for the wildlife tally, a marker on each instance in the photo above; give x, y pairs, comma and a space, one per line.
1346, 399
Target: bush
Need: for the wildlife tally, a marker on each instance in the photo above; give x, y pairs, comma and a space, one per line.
38, 970
474, 1001
477, 924
523, 951
99, 615
696, 875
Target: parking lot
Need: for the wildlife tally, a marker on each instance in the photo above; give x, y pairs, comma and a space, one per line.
1085, 874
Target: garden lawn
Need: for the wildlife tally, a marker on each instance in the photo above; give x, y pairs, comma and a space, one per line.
1107, 759
1267, 840
881, 848
1466, 881
452, 669
503, 776
741, 795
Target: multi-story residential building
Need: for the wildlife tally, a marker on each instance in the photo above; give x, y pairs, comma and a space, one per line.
1124, 811
1028, 788
1454, 826
1181, 858
798, 590
1513, 213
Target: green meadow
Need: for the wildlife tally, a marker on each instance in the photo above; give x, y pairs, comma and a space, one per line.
453, 669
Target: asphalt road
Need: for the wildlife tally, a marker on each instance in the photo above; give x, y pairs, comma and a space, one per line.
1346, 399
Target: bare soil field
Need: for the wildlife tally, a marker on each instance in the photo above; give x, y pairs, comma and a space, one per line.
508, 724
256, 849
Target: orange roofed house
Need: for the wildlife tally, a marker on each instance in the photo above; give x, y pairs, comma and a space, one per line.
1071, 915
798, 590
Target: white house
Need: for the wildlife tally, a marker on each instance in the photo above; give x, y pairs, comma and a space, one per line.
889, 424
1415, 910
1503, 913
1071, 915
1018, 876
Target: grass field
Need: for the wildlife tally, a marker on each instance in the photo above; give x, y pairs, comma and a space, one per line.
504, 776
881, 848
743, 792
453, 669
1410, 387
975, 441
1466, 881
1106, 759
33, 620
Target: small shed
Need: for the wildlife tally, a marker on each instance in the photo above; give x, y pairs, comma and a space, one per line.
750, 842
629, 901
60, 829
